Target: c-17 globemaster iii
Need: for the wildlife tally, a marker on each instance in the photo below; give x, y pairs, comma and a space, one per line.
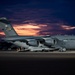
32, 43
36, 43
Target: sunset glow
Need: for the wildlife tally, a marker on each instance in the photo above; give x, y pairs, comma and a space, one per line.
40, 29
27, 29
2, 33
65, 27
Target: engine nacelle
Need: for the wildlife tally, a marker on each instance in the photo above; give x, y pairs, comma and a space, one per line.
49, 41
21, 44
32, 42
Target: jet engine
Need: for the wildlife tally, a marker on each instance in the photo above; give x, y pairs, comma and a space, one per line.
32, 42
49, 41
21, 44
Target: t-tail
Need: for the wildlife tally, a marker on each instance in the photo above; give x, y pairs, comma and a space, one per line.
7, 28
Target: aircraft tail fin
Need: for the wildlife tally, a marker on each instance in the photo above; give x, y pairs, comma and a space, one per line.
7, 28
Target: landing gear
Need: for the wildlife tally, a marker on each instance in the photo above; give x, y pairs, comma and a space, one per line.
62, 50
21, 49
18, 49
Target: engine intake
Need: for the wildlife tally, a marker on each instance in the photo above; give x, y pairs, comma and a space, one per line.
32, 42
49, 41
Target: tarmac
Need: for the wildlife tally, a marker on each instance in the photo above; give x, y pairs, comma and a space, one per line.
37, 63
40, 55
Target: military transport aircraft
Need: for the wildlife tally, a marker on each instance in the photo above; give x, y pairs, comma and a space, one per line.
31, 43
36, 43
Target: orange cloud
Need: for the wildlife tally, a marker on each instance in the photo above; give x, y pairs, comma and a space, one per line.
29, 29
2, 33
65, 27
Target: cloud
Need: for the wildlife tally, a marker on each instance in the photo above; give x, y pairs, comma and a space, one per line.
2, 33
29, 29
36, 29
40, 29
41, 18
65, 27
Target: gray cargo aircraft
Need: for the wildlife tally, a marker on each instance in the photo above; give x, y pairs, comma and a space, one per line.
31, 43
36, 43
64, 42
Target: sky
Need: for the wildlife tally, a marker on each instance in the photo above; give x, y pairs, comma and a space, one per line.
40, 17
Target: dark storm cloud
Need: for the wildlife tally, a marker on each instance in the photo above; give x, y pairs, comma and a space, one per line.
63, 9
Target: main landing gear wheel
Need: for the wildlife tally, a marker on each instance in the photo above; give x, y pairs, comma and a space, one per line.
62, 50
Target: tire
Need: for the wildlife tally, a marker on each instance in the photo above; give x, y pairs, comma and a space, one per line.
62, 50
